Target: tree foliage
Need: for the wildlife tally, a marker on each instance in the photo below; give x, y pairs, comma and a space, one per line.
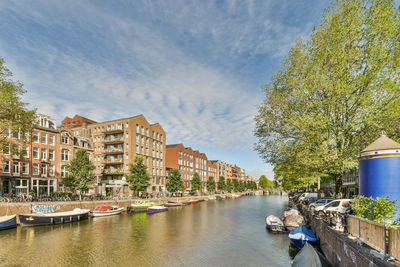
138, 178
378, 210
80, 172
14, 114
211, 184
174, 181
229, 185
265, 182
196, 182
221, 183
333, 94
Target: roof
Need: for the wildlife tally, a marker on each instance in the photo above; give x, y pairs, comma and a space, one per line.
382, 143
173, 145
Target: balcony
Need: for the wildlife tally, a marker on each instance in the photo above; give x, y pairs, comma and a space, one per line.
114, 130
113, 171
112, 161
114, 151
112, 140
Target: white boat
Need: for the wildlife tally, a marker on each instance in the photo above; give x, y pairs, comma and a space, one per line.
106, 210
275, 224
212, 198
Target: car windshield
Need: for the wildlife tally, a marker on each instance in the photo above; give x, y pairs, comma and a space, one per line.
320, 201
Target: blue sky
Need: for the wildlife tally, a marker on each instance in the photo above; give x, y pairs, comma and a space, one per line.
197, 67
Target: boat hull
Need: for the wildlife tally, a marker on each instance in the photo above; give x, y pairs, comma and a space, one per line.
276, 228
173, 204
34, 219
156, 210
9, 223
106, 213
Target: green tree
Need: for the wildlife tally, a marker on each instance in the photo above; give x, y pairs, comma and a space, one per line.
229, 185
175, 182
378, 210
235, 185
80, 172
263, 182
14, 115
333, 94
211, 184
221, 183
138, 178
196, 182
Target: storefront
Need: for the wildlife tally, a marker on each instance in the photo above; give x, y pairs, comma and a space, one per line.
44, 186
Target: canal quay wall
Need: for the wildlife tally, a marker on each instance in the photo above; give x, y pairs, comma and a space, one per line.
28, 207
341, 250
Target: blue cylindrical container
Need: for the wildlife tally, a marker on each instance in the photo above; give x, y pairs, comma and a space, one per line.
379, 166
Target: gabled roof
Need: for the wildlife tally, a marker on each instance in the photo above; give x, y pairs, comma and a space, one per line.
382, 143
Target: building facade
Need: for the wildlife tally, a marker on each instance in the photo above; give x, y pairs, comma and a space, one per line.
188, 162
116, 143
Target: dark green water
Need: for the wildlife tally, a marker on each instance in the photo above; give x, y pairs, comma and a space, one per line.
213, 233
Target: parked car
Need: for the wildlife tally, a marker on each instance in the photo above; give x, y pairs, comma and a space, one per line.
308, 195
320, 202
339, 205
309, 200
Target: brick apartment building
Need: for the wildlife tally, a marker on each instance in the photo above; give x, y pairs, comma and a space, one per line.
188, 162
40, 166
116, 143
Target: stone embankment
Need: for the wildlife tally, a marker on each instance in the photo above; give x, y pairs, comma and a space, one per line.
27, 207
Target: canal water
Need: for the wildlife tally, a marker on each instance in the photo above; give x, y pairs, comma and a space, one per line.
214, 233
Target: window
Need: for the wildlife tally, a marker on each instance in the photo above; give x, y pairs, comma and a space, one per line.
35, 153
15, 167
126, 146
36, 137
25, 168
6, 132
127, 135
147, 131
25, 151
126, 125
64, 140
51, 170
6, 166
51, 154
44, 170
44, 154
126, 155
64, 155
6, 149
137, 128
44, 138
64, 171
51, 140
15, 134
142, 130
35, 169
137, 148
333, 204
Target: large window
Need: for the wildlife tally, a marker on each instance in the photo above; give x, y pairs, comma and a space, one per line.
35, 153
15, 134
16, 167
44, 154
64, 155
25, 151
51, 140
51, 170
25, 168
44, 139
6, 166
44, 170
6, 132
35, 169
64, 171
51, 155
64, 140
6, 149
36, 137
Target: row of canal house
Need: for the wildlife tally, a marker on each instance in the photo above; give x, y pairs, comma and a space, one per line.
112, 147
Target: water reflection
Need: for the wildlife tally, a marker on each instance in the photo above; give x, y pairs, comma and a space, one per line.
214, 233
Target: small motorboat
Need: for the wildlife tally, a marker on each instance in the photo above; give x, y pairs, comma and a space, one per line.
193, 201
212, 198
155, 209
106, 210
218, 197
173, 204
300, 235
274, 224
7, 222
140, 205
307, 256
200, 200
53, 217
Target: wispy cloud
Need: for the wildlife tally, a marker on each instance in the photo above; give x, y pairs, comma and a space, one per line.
195, 67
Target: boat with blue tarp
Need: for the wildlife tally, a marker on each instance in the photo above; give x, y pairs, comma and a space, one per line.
300, 235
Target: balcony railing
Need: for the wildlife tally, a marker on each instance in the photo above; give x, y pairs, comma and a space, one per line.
113, 172
114, 151
113, 161
114, 140
114, 130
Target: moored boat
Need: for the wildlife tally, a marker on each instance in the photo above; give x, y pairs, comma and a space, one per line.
300, 235
173, 204
307, 256
106, 210
293, 221
53, 217
140, 205
193, 201
212, 198
7, 222
155, 209
275, 224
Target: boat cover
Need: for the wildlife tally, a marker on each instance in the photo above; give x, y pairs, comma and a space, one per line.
307, 256
103, 208
293, 220
302, 233
273, 220
290, 212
